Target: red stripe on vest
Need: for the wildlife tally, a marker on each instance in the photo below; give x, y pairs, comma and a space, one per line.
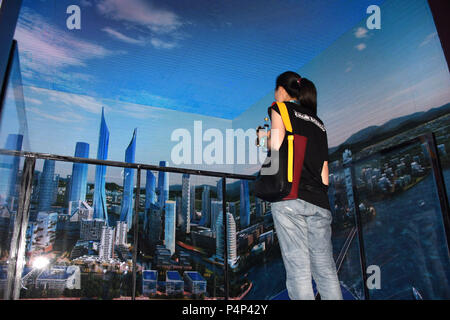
299, 156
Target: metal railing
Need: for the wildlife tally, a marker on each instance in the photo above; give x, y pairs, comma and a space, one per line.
17, 249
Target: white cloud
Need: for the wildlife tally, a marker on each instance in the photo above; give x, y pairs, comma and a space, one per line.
70, 101
361, 33
145, 18
361, 46
428, 38
140, 13
45, 50
120, 36
161, 44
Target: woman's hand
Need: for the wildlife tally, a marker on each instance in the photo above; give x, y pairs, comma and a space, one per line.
260, 132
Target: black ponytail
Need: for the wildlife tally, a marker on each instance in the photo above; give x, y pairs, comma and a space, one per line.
301, 88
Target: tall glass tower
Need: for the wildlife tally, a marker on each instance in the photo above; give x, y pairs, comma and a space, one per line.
245, 205
46, 186
150, 194
169, 229
126, 214
206, 208
9, 166
185, 204
79, 174
163, 185
219, 189
230, 238
100, 210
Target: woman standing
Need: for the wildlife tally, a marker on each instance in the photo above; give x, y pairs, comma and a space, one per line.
303, 225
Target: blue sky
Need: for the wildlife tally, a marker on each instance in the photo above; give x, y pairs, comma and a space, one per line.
160, 65
208, 57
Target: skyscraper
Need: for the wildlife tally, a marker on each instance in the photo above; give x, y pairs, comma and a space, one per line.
219, 189
46, 186
121, 233
206, 208
185, 204
100, 209
192, 202
126, 213
244, 205
230, 238
78, 182
106, 247
163, 185
169, 230
216, 210
154, 225
9, 166
178, 211
150, 192
150, 196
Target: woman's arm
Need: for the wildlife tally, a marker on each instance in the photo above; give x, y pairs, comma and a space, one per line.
277, 132
325, 173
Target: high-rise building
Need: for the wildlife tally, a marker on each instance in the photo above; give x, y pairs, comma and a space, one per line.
185, 204
126, 213
41, 234
230, 238
91, 230
163, 185
79, 210
178, 211
169, 230
100, 209
232, 208
155, 225
55, 187
206, 207
192, 202
106, 247
121, 233
216, 210
219, 189
46, 186
78, 182
259, 207
244, 205
150, 192
9, 167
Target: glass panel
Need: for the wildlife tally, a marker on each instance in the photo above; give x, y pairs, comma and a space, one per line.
254, 257
10, 177
406, 239
346, 255
79, 239
177, 245
13, 120
443, 144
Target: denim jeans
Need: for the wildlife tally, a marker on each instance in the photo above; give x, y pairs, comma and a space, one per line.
304, 233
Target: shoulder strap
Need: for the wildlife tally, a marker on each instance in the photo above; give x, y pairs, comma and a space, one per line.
285, 116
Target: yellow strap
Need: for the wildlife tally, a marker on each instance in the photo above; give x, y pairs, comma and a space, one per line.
285, 116
290, 157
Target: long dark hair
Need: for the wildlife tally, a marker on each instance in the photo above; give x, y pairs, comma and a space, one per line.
297, 87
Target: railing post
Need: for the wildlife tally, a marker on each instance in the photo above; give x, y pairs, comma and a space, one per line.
17, 249
358, 220
430, 141
225, 237
136, 229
